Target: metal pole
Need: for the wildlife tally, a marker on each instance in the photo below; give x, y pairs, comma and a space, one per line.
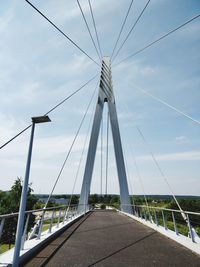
25, 231
174, 222
156, 219
164, 221
190, 229
1, 230
20, 223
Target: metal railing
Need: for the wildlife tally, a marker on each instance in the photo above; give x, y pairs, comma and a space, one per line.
36, 223
185, 223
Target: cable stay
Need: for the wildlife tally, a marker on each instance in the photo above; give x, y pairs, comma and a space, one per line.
139, 178
129, 33
122, 27
168, 105
159, 168
128, 174
81, 158
65, 35
95, 28
161, 172
70, 149
141, 182
157, 40
55, 107
88, 28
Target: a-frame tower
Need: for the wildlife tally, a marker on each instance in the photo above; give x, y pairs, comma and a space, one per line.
105, 95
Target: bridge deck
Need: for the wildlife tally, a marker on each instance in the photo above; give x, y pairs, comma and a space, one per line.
107, 238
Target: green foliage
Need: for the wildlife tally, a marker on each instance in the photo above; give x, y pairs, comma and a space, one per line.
94, 199
103, 206
187, 205
74, 200
9, 203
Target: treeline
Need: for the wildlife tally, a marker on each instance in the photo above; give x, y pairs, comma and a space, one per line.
9, 203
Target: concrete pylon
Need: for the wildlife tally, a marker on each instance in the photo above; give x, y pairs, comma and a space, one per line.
105, 95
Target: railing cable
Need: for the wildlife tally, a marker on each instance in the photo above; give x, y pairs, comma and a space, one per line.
65, 35
157, 40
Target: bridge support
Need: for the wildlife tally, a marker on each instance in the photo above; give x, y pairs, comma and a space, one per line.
105, 95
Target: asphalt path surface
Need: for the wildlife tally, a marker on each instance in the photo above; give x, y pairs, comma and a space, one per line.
107, 238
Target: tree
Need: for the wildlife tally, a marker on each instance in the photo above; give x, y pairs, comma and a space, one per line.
9, 203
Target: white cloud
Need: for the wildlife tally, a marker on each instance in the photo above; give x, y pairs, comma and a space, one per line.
182, 139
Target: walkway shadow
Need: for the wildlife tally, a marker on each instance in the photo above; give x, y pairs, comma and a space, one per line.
102, 228
121, 249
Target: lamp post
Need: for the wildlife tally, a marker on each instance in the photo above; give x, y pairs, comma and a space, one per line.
20, 223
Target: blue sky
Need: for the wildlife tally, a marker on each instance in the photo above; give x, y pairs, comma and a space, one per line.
39, 67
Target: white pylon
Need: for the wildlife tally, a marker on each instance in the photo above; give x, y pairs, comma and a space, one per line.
105, 95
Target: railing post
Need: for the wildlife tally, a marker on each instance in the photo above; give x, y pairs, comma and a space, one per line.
139, 213
41, 224
51, 222
156, 219
164, 221
145, 215
174, 222
150, 218
1, 226
134, 213
25, 231
1, 230
64, 216
190, 229
58, 222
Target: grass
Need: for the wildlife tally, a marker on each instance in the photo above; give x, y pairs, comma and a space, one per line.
5, 247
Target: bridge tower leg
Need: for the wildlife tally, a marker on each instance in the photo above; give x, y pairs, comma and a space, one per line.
105, 95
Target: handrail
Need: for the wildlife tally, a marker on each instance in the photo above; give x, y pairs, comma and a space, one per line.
160, 208
31, 211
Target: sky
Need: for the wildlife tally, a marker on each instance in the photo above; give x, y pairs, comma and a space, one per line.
39, 67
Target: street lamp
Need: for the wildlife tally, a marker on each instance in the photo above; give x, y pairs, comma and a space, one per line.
20, 223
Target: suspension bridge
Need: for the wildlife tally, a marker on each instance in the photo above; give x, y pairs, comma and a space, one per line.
83, 234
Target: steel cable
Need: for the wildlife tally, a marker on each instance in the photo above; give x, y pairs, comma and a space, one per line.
66, 36
60, 103
129, 33
95, 28
70, 149
122, 27
157, 40
88, 28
